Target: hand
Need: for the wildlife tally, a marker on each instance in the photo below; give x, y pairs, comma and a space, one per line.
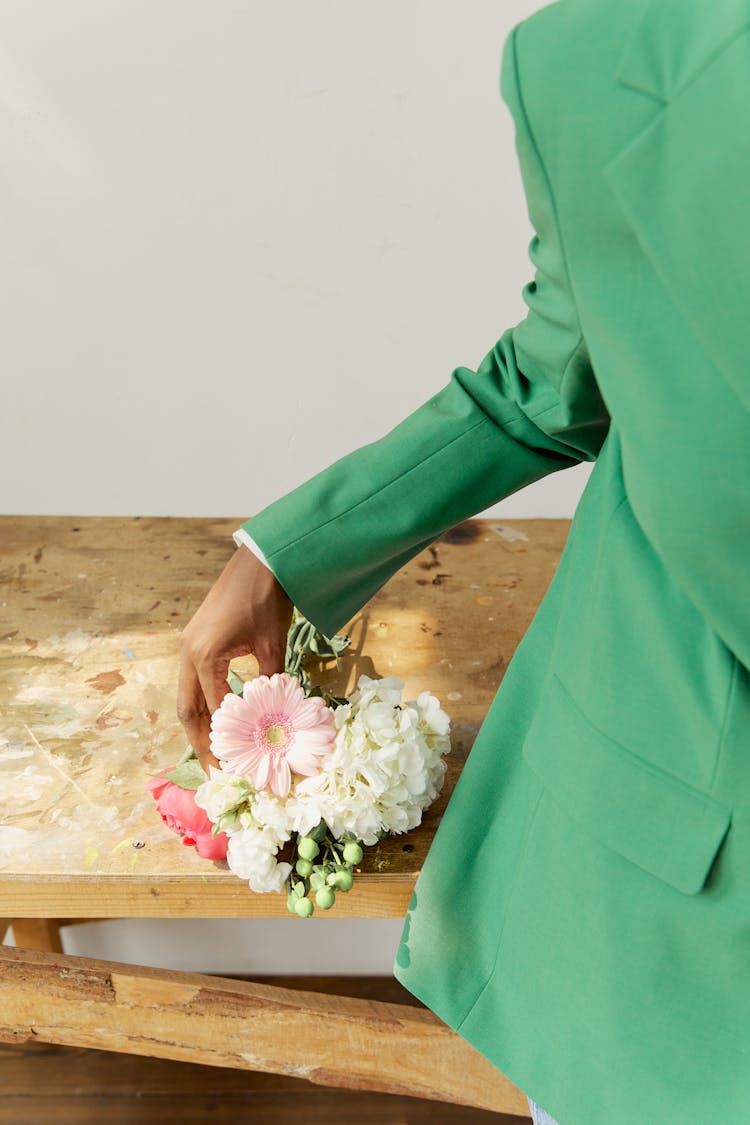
245, 611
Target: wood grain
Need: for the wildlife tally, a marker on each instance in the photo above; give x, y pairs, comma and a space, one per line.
83, 1086
38, 933
333, 1041
92, 610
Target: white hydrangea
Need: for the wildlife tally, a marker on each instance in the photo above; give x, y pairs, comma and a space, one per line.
386, 766
387, 763
304, 810
251, 855
271, 811
299, 812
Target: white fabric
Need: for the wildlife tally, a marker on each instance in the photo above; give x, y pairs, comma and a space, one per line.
241, 537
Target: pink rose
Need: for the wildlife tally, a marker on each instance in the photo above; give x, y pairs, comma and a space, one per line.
178, 810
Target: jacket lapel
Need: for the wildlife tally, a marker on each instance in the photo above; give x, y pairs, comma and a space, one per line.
673, 40
683, 180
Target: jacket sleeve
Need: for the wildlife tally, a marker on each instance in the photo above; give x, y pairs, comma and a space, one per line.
241, 537
531, 407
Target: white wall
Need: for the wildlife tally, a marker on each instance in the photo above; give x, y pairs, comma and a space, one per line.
240, 240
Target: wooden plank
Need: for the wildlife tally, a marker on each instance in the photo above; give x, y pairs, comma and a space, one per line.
271, 1109
92, 612
37, 933
372, 896
359, 1044
320, 1108
60, 922
46, 1082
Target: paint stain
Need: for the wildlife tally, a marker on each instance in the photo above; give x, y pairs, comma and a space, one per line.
107, 682
462, 533
111, 718
91, 855
509, 533
438, 579
152, 716
38, 554
14, 750
485, 599
433, 562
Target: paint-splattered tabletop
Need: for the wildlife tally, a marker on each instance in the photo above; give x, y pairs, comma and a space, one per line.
91, 611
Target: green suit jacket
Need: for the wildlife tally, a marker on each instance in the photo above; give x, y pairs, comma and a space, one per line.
583, 915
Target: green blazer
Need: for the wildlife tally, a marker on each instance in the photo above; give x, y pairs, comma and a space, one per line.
583, 915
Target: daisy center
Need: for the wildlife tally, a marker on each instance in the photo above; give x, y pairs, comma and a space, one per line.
277, 734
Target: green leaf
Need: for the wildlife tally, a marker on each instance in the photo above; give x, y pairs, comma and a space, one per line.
302, 640
189, 753
235, 683
188, 775
335, 700
335, 644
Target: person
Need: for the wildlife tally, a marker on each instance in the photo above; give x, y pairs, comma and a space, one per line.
582, 917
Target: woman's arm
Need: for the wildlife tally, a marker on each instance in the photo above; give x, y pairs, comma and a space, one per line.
531, 407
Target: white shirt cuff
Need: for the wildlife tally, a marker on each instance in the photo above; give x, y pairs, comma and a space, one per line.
241, 537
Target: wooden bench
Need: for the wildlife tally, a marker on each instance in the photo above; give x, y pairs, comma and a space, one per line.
90, 616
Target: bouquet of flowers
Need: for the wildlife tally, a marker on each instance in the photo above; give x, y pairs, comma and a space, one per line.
327, 774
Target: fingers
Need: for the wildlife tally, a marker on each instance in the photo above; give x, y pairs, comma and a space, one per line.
269, 660
245, 611
193, 711
212, 674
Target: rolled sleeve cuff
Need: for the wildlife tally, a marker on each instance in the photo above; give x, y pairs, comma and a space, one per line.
241, 537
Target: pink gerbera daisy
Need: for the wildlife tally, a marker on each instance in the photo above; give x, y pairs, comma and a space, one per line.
272, 729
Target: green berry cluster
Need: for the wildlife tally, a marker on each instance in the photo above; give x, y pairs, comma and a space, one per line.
333, 871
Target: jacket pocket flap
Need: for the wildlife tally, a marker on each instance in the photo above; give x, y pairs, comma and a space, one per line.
649, 816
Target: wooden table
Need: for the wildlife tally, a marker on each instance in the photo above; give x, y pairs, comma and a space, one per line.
90, 616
